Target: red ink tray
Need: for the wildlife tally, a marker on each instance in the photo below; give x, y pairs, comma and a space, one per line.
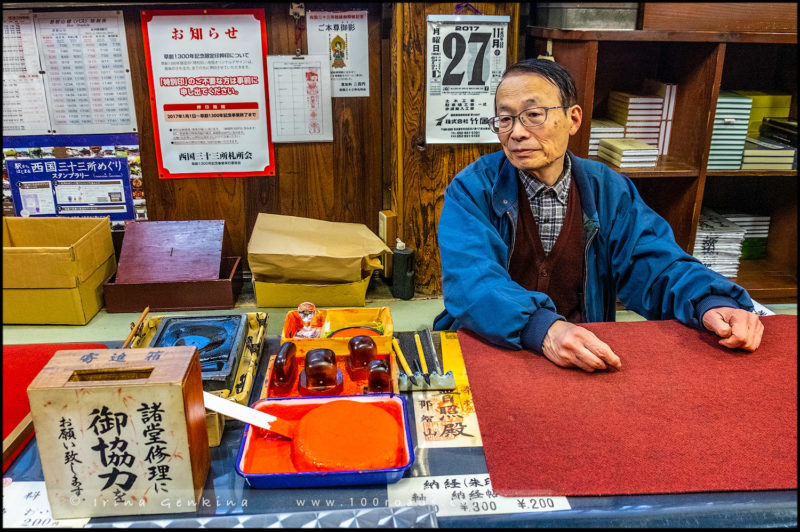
265, 462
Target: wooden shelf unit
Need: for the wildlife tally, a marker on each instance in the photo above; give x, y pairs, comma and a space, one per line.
702, 63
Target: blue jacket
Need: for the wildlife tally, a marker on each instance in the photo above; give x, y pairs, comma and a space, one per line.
630, 254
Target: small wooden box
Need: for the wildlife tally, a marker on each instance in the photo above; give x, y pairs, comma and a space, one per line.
174, 265
121, 431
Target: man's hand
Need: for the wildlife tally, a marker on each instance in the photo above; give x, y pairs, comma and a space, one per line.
737, 327
569, 345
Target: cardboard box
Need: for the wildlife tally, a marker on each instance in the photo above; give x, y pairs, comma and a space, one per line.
274, 294
124, 426
291, 249
54, 269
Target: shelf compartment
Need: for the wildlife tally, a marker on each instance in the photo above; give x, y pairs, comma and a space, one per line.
767, 281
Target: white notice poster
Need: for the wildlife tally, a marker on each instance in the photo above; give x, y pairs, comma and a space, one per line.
342, 36
24, 103
84, 55
208, 92
466, 56
300, 98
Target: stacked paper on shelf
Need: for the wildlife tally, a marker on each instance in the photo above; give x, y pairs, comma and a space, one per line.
627, 152
766, 104
729, 132
718, 243
756, 231
640, 114
761, 153
668, 91
603, 128
781, 129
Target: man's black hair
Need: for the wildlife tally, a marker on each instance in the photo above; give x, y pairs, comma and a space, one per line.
551, 71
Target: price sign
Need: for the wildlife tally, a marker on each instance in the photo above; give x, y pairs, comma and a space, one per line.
460, 495
466, 57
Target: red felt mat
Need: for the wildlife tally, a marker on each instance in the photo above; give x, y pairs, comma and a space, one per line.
683, 414
21, 363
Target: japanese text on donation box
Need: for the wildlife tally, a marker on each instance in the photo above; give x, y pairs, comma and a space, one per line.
466, 56
111, 447
208, 92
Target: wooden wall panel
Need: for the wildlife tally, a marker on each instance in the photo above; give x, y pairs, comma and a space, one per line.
720, 16
337, 181
422, 172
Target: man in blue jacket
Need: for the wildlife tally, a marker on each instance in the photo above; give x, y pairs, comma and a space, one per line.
534, 240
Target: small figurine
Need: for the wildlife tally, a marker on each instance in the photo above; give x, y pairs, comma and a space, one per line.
307, 311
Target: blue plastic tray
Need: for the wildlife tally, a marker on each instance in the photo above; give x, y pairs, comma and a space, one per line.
331, 478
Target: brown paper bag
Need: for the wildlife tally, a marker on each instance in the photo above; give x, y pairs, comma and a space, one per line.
291, 248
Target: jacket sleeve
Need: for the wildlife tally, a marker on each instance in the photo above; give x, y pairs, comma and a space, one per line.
652, 274
478, 290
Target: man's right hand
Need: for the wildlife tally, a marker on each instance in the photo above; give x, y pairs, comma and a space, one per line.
569, 345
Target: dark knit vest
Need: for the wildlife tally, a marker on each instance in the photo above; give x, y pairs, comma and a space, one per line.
559, 274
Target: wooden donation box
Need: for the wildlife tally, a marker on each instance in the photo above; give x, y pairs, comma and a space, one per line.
121, 431
174, 265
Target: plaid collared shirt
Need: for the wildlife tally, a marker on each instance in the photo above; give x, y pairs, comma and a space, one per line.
549, 204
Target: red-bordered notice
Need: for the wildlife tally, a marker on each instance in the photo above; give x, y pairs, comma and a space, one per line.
206, 70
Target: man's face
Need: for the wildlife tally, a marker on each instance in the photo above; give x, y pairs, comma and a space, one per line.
535, 150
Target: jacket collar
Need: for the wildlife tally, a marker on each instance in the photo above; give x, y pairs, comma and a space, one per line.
504, 192
588, 200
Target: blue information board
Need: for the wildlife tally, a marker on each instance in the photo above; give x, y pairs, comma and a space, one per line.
91, 180
72, 187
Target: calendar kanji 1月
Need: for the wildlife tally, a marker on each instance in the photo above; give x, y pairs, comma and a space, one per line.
466, 57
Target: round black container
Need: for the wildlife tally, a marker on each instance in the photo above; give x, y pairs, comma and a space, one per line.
403, 272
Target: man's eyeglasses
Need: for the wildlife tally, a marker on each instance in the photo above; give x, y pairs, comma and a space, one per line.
531, 117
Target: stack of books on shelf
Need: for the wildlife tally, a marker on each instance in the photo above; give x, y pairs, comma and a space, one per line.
765, 104
627, 152
640, 114
783, 130
668, 91
756, 231
729, 132
718, 243
603, 128
765, 154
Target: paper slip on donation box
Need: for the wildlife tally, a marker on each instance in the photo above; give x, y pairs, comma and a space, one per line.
121, 431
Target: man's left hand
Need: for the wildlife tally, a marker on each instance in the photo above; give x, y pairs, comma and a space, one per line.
737, 327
